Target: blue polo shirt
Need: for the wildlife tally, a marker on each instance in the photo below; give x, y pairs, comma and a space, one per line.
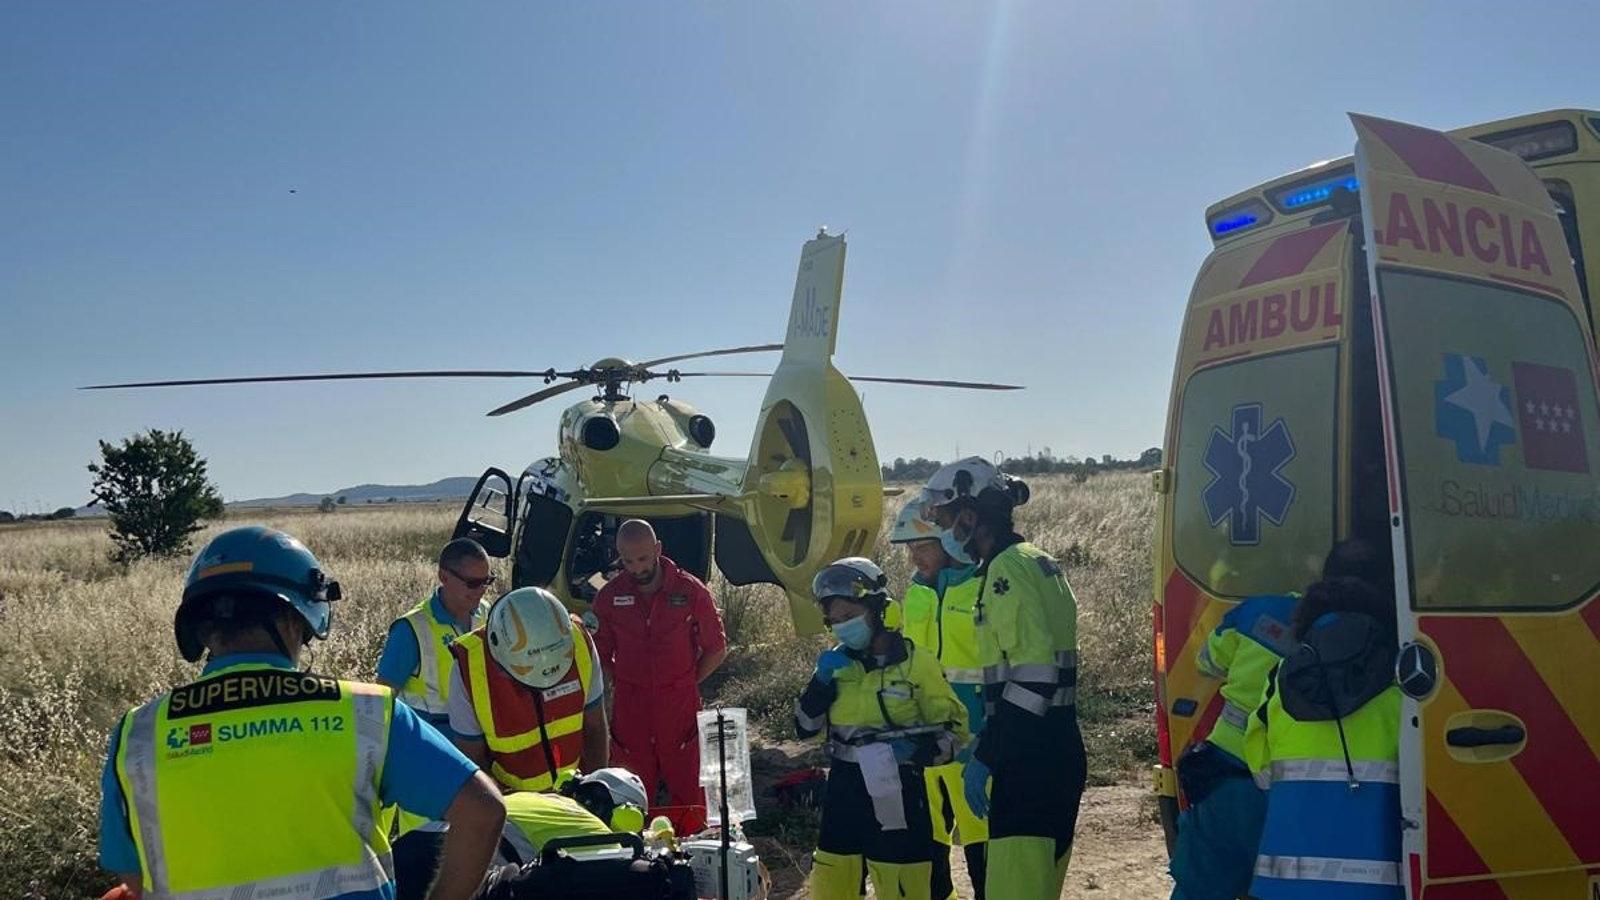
422, 771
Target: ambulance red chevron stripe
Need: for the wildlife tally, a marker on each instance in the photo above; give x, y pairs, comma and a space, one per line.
1491, 670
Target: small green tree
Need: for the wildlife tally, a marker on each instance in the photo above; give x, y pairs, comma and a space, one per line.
154, 488
65, 512
342, 498
327, 505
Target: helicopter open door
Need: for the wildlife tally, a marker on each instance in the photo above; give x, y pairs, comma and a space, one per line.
1492, 443
487, 515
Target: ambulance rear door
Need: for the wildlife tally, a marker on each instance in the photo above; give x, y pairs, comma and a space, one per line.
1492, 446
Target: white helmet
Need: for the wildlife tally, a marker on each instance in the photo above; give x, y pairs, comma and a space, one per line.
975, 478
861, 580
854, 578
530, 636
915, 523
623, 785
963, 478
912, 524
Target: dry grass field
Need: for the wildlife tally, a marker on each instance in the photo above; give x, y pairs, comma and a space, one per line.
84, 639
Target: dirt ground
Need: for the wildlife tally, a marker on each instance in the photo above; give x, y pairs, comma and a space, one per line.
1118, 853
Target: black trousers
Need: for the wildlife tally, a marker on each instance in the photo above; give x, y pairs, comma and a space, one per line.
850, 827
1039, 769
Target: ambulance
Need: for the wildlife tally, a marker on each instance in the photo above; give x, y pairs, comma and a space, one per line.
1399, 345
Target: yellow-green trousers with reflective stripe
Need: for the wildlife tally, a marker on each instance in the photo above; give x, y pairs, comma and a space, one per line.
956, 823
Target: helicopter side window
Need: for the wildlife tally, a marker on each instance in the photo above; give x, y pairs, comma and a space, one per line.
539, 545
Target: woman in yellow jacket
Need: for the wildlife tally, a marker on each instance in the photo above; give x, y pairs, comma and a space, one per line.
889, 714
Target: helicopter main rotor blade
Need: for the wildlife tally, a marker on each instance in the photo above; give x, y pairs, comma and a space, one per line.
531, 399
754, 348
925, 382
341, 376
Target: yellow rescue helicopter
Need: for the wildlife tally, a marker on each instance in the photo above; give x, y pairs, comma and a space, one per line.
809, 491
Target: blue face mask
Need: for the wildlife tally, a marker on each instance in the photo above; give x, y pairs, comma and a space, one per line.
954, 548
854, 633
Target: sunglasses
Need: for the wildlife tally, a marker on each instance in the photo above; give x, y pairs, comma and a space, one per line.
473, 583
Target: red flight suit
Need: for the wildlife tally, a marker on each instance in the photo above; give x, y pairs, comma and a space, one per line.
651, 645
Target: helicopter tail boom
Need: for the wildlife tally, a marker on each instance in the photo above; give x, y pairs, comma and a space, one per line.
812, 490
709, 502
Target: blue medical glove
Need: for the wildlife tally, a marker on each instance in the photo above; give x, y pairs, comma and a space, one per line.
975, 785
829, 662
904, 749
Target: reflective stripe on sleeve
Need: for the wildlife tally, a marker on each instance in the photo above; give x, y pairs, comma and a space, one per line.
1235, 715
964, 676
807, 722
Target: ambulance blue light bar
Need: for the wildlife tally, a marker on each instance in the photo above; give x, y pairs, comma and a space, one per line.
1239, 218
1536, 141
1318, 192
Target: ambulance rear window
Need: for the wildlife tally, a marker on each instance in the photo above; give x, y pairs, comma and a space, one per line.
1498, 444
1254, 510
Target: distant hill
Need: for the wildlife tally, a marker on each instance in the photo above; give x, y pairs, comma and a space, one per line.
360, 495
443, 489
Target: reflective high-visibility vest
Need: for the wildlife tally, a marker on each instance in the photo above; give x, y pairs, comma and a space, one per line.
1027, 624
1321, 833
257, 781
1253, 637
533, 736
939, 618
533, 819
428, 689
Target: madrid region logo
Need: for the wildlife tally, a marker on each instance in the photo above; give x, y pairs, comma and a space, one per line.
1246, 464
1472, 410
1481, 416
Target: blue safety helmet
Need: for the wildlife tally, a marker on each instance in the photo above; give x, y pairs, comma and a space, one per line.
252, 565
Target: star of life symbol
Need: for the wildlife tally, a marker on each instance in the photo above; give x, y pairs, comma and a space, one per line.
1247, 483
1473, 410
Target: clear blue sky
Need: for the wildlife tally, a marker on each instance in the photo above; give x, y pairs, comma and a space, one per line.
521, 185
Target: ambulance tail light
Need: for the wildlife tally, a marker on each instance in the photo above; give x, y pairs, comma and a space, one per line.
1163, 731
1536, 141
1231, 221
